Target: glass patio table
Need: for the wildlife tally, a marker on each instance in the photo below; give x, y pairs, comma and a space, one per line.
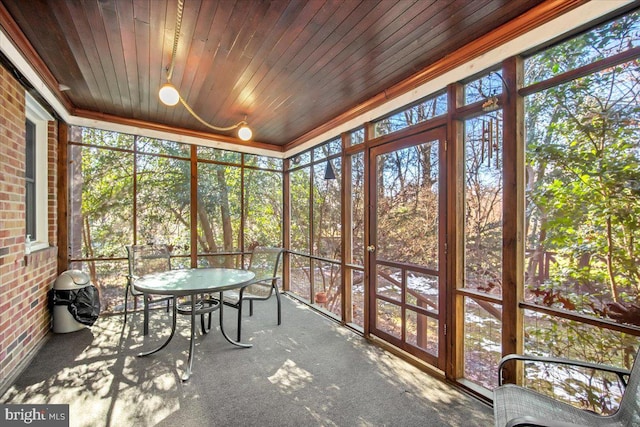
193, 283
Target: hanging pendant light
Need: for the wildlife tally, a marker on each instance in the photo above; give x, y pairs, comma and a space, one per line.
328, 171
244, 133
170, 96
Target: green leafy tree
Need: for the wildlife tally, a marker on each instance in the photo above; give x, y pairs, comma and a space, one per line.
583, 201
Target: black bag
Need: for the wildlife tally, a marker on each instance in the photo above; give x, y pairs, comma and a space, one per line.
83, 303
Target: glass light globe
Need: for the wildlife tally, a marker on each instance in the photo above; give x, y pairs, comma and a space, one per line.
244, 133
169, 94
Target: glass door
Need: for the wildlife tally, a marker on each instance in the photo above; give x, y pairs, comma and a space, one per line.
406, 244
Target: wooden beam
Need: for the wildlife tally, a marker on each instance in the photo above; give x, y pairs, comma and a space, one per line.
369, 302
594, 67
346, 228
62, 191
513, 212
134, 214
286, 226
454, 223
91, 115
194, 207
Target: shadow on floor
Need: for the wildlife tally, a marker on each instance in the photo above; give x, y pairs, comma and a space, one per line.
309, 371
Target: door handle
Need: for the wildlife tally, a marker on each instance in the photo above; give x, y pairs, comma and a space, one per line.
371, 248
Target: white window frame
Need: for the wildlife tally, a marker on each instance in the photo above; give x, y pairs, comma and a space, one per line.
41, 118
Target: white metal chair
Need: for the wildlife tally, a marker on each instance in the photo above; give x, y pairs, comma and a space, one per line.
145, 259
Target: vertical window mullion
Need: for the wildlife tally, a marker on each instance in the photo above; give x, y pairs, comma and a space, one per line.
30, 179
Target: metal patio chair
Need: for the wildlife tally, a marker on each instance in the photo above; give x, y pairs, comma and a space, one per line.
515, 405
264, 262
145, 259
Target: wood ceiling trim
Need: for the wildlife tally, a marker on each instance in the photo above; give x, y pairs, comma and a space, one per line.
524, 23
92, 115
198, 54
255, 71
128, 59
157, 48
141, 44
263, 70
13, 32
88, 83
235, 41
340, 45
98, 20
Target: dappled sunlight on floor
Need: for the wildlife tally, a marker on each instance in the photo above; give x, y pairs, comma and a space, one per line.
407, 380
308, 371
291, 378
99, 381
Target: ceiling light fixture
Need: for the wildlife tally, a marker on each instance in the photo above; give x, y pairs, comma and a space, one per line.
170, 96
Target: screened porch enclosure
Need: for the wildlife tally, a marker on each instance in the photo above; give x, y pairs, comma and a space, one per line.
497, 215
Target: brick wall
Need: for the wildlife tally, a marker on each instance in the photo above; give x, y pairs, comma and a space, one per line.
24, 280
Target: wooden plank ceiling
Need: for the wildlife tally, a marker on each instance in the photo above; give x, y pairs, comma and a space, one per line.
288, 65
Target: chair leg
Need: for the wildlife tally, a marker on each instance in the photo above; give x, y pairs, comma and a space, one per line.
207, 328
126, 302
209, 324
145, 327
275, 288
250, 307
239, 319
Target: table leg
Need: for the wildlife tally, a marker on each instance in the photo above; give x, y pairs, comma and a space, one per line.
205, 328
224, 334
173, 331
187, 372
